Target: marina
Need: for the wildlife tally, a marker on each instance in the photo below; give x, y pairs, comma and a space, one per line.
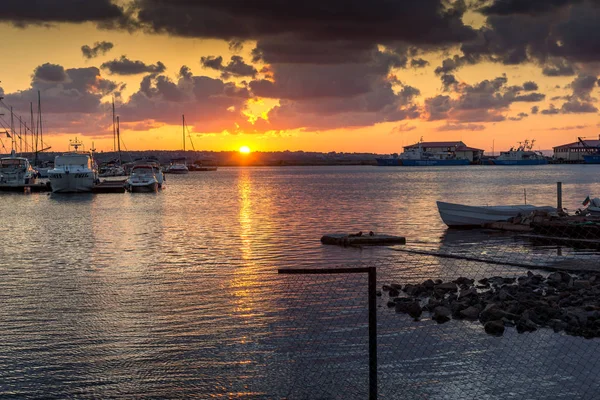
209, 296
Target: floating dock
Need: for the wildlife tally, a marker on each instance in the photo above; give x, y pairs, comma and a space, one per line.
110, 187
26, 188
344, 239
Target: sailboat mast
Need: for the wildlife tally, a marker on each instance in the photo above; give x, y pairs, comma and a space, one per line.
12, 130
33, 136
119, 141
114, 132
183, 129
40, 117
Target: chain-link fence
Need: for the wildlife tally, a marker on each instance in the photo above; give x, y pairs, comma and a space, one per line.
491, 316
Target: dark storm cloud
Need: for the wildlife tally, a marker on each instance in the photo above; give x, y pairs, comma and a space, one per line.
583, 85
99, 48
290, 49
557, 67
22, 13
519, 116
236, 67
80, 90
529, 86
125, 66
425, 21
532, 7
484, 101
552, 110
50, 73
418, 63
535, 109
217, 104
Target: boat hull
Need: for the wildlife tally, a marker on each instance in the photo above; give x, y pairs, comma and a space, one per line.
592, 159
388, 162
143, 188
397, 162
427, 163
464, 216
520, 162
74, 182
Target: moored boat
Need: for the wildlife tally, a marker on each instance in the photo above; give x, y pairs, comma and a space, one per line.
142, 179
521, 155
177, 166
463, 216
16, 171
432, 154
74, 171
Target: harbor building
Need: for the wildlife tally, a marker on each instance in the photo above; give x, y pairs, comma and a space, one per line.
574, 152
459, 149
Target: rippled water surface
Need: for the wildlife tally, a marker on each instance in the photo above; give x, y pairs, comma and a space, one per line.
175, 294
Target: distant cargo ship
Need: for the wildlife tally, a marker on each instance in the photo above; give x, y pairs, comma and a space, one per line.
433, 154
522, 155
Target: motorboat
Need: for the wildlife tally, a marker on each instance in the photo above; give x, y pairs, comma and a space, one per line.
110, 171
521, 155
462, 216
74, 171
142, 179
177, 166
16, 171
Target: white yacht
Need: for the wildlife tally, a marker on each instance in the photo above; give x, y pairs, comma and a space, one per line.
16, 171
73, 172
142, 179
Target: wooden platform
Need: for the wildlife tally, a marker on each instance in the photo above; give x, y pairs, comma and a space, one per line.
30, 187
110, 187
344, 239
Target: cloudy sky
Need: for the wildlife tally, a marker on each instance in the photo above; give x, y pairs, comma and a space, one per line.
315, 75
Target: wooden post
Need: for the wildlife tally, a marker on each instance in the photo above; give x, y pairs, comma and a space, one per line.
559, 196
372, 333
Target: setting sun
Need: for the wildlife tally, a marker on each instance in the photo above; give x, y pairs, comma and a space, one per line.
245, 150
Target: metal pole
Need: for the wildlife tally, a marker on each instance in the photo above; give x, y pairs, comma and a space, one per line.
559, 196
372, 333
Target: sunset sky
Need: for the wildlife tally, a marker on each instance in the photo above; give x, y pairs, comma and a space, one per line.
326, 75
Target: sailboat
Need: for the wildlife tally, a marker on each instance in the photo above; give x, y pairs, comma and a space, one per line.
179, 164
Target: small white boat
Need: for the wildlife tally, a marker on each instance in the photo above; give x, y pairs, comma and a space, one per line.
177, 167
142, 179
16, 171
462, 216
73, 172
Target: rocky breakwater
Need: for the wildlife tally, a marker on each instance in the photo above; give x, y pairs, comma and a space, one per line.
560, 301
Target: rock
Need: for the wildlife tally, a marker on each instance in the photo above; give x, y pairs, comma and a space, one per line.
441, 314
411, 308
393, 292
463, 281
385, 288
491, 312
557, 324
428, 284
448, 286
526, 325
495, 328
466, 293
391, 304
470, 313
581, 284
378, 293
